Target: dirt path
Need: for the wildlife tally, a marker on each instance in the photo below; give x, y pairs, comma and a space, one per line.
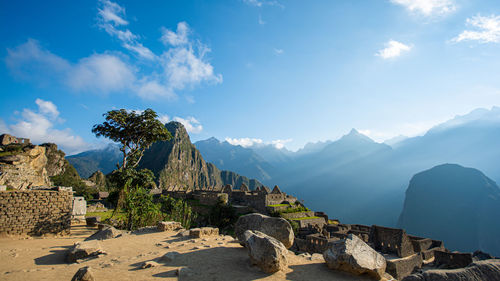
214, 258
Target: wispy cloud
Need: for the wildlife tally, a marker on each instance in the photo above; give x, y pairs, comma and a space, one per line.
428, 7
261, 21
261, 3
99, 73
393, 49
278, 51
486, 30
182, 65
111, 18
249, 142
192, 124
40, 126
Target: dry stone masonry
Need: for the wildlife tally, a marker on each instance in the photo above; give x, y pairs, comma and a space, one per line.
35, 212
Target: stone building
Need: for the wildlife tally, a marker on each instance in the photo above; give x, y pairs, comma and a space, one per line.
7, 139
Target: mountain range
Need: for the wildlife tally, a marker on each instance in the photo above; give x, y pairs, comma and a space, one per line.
354, 178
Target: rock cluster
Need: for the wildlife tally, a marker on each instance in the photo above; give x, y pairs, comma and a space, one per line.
106, 232
84, 274
277, 228
477, 271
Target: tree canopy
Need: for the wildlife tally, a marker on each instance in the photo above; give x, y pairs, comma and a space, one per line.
135, 131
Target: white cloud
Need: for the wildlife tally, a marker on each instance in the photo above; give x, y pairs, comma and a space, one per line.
182, 65
428, 7
279, 144
487, 30
261, 3
278, 51
393, 49
112, 12
192, 125
39, 126
101, 73
249, 142
47, 108
111, 19
245, 142
180, 37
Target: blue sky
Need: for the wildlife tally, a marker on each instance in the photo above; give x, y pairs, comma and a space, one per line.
285, 72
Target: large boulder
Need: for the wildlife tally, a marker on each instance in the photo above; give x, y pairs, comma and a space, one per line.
277, 228
267, 253
476, 271
107, 232
169, 225
83, 250
353, 255
83, 274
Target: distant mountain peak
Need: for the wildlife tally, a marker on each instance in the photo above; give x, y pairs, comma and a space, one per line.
355, 135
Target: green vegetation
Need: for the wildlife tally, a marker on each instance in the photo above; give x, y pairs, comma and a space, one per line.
278, 205
297, 209
71, 178
305, 218
295, 227
134, 131
177, 210
140, 209
119, 215
12, 149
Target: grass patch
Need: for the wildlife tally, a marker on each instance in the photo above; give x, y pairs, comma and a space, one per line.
106, 215
305, 218
278, 205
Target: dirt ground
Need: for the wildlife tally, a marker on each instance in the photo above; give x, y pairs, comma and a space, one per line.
213, 258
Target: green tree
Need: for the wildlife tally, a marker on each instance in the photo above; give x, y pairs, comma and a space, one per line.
140, 208
135, 131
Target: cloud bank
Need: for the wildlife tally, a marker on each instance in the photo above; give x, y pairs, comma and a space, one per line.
486, 29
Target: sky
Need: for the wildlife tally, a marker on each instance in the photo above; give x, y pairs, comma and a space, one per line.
283, 72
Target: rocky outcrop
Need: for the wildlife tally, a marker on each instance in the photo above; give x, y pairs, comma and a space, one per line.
178, 165
355, 256
98, 179
454, 204
265, 252
26, 166
477, 271
24, 169
277, 228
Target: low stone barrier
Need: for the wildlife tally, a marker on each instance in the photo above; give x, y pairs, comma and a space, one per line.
35, 212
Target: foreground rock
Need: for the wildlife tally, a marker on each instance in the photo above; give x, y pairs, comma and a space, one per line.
277, 228
83, 250
203, 232
83, 274
477, 271
353, 255
107, 232
169, 225
266, 252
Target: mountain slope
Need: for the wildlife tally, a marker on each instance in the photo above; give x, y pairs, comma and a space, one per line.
235, 158
178, 165
455, 204
88, 162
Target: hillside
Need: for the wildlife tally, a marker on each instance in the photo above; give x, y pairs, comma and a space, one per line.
104, 160
178, 165
454, 204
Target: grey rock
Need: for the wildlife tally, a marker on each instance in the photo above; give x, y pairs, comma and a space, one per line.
108, 232
477, 271
353, 255
83, 250
168, 257
266, 252
92, 221
83, 274
277, 228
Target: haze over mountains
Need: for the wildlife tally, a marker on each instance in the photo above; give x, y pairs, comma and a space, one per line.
356, 179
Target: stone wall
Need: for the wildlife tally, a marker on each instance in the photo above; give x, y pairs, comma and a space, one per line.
35, 212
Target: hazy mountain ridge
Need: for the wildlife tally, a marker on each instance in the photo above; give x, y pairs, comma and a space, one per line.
104, 160
455, 204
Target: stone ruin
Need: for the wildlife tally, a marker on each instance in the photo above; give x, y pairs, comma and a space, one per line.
7, 139
257, 199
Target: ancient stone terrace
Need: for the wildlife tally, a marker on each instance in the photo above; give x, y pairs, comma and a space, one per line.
257, 199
